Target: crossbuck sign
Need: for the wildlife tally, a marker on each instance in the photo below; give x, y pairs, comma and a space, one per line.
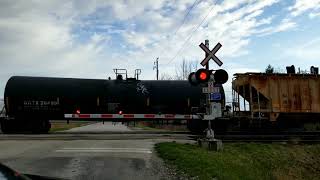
211, 54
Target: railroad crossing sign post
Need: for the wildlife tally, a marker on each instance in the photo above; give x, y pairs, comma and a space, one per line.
212, 108
206, 43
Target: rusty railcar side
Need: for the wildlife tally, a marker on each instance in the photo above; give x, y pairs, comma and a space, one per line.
270, 95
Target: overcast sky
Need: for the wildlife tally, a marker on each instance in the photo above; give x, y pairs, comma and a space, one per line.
87, 39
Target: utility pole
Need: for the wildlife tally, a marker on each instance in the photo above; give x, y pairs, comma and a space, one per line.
156, 66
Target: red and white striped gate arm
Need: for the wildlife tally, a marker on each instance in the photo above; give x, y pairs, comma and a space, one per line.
131, 116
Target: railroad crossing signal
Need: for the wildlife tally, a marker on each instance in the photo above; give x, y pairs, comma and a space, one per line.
219, 76
202, 76
211, 54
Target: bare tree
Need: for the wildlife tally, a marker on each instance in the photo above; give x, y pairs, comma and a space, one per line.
1, 106
165, 76
279, 70
185, 68
301, 71
182, 71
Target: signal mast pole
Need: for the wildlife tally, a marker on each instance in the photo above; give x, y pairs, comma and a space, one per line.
206, 43
209, 132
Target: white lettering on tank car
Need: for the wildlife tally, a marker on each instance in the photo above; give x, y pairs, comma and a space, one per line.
142, 88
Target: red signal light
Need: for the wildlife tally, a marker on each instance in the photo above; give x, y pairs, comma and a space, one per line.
78, 111
219, 76
203, 76
120, 112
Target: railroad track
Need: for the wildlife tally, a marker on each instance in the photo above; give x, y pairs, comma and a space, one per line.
95, 136
126, 132
269, 137
312, 137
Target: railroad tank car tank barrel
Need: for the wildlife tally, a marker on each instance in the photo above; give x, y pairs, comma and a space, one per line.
95, 92
50, 98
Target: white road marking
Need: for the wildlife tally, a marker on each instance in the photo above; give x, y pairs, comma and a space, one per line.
111, 150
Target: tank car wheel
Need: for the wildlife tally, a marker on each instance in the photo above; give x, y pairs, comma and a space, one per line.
6, 127
196, 126
46, 127
41, 127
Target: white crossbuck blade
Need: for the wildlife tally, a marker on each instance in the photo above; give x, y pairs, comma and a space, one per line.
211, 54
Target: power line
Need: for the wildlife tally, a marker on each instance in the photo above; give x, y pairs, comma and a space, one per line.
183, 21
189, 37
185, 17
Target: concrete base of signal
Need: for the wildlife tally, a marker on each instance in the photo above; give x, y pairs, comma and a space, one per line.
211, 144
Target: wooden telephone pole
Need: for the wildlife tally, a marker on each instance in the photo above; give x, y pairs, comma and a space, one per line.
156, 66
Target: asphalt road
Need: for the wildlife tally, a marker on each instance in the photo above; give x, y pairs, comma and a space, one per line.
86, 156
84, 159
100, 128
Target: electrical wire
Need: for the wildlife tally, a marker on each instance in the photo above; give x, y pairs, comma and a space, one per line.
190, 36
185, 17
183, 21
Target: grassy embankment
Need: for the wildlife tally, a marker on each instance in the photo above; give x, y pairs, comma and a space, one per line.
61, 126
244, 161
158, 126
